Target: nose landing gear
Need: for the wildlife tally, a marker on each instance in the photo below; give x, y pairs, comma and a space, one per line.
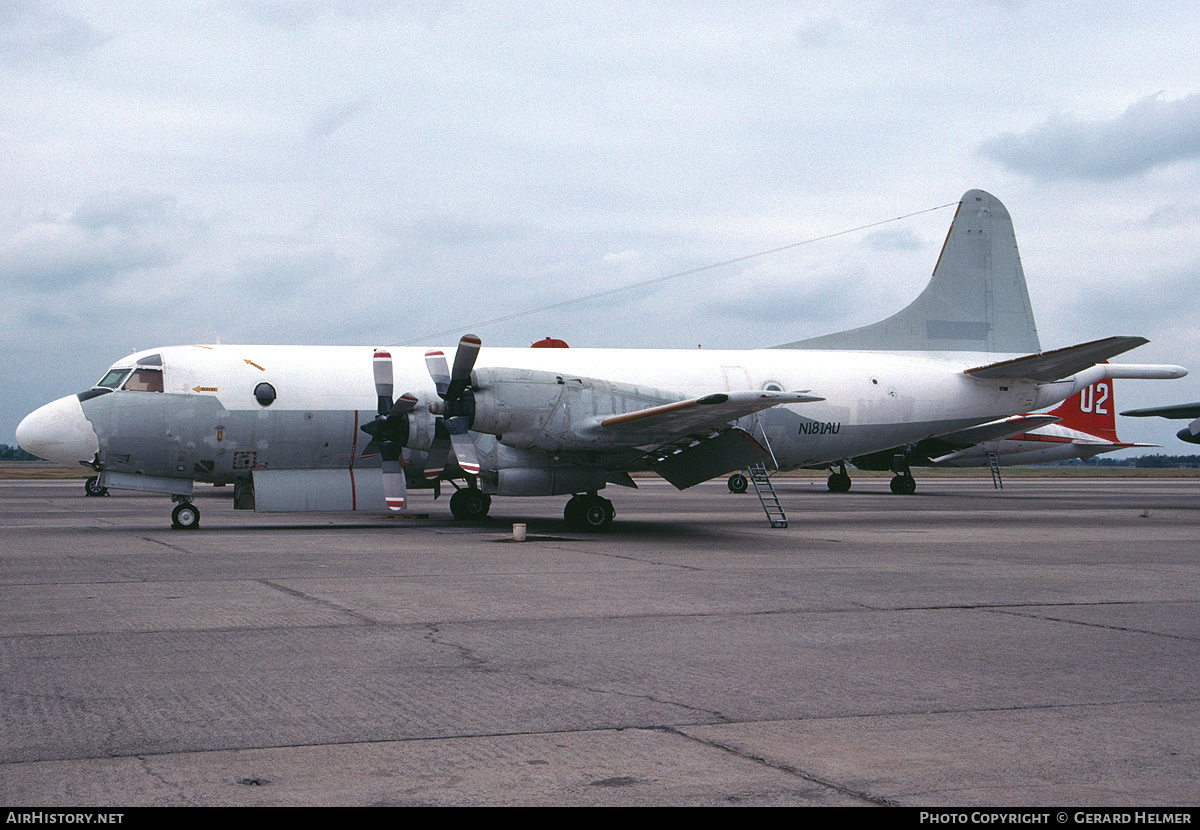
185, 516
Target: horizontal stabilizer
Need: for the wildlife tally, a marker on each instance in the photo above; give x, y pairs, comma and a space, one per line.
734, 449
1045, 367
998, 430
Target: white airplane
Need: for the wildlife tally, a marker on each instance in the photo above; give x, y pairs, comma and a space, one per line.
288, 426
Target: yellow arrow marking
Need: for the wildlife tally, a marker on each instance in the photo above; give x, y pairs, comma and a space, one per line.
256, 366
204, 389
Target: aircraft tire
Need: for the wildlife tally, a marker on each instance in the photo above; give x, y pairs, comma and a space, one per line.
470, 504
185, 517
738, 483
904, 485
839, 483
589, 514
92, 487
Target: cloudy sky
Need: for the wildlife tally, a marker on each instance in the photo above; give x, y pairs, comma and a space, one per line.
383, 171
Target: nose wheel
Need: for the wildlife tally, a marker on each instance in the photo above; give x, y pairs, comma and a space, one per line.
185, 516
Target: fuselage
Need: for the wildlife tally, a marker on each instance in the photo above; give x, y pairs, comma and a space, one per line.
217, 413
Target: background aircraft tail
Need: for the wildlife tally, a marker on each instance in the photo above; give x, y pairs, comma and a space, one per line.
976, 300
1091, 411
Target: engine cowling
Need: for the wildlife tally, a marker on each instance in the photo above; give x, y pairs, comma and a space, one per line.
533, 409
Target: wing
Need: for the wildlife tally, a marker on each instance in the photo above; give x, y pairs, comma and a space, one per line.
1182, 410
688, 440
667, 422
997, 430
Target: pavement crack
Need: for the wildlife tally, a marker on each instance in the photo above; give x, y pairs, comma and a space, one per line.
1107, 627
324, 603
878, 801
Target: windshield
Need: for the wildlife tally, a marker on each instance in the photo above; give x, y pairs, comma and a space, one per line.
145, 380
112, 378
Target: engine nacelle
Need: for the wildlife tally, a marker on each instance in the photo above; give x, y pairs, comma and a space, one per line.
532, 409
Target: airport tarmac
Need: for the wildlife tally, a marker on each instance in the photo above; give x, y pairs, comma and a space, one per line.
1032, 646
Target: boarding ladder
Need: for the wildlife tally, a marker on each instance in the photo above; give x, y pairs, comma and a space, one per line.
766, 494
994, 463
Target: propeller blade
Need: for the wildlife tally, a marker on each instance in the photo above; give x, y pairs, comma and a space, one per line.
464, 447
382, 366
404, 404
394, 488
438, 451
435, 359
464, 362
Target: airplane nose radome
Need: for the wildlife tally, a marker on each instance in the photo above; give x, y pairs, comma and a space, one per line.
59, 431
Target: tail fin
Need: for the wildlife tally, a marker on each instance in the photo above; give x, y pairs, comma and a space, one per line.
1092, 411
976, 300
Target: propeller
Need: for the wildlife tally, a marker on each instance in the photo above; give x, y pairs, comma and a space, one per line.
389, 431
457, 409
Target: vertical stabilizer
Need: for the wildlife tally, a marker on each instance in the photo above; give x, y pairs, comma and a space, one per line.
1091, 411
976, 300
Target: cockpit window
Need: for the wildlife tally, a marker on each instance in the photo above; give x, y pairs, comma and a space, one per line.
112, 378
145, 380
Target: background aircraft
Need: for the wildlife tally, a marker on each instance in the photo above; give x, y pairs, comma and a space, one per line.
289, 425
1190, 433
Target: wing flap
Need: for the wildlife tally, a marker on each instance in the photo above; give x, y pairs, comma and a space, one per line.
733, 449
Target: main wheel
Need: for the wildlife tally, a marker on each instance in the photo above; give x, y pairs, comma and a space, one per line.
470, 504
589, 513
839, 483
93, 487
185, 517
738, 483
904, 485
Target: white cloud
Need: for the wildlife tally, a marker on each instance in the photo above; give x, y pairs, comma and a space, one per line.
1152, 132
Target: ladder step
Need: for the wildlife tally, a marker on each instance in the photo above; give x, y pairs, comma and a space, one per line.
767, 496
994, 463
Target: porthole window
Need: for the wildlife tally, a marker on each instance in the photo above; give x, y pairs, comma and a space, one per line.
264, 393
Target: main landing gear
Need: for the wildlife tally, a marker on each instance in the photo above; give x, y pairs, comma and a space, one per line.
470, 504
839, 482
93, 487
738, 483
589, 513
902, 484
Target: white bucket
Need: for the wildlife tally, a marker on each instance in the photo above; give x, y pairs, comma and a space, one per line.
519, 532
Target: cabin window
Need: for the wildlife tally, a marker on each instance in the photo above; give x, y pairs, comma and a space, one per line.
264, 393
